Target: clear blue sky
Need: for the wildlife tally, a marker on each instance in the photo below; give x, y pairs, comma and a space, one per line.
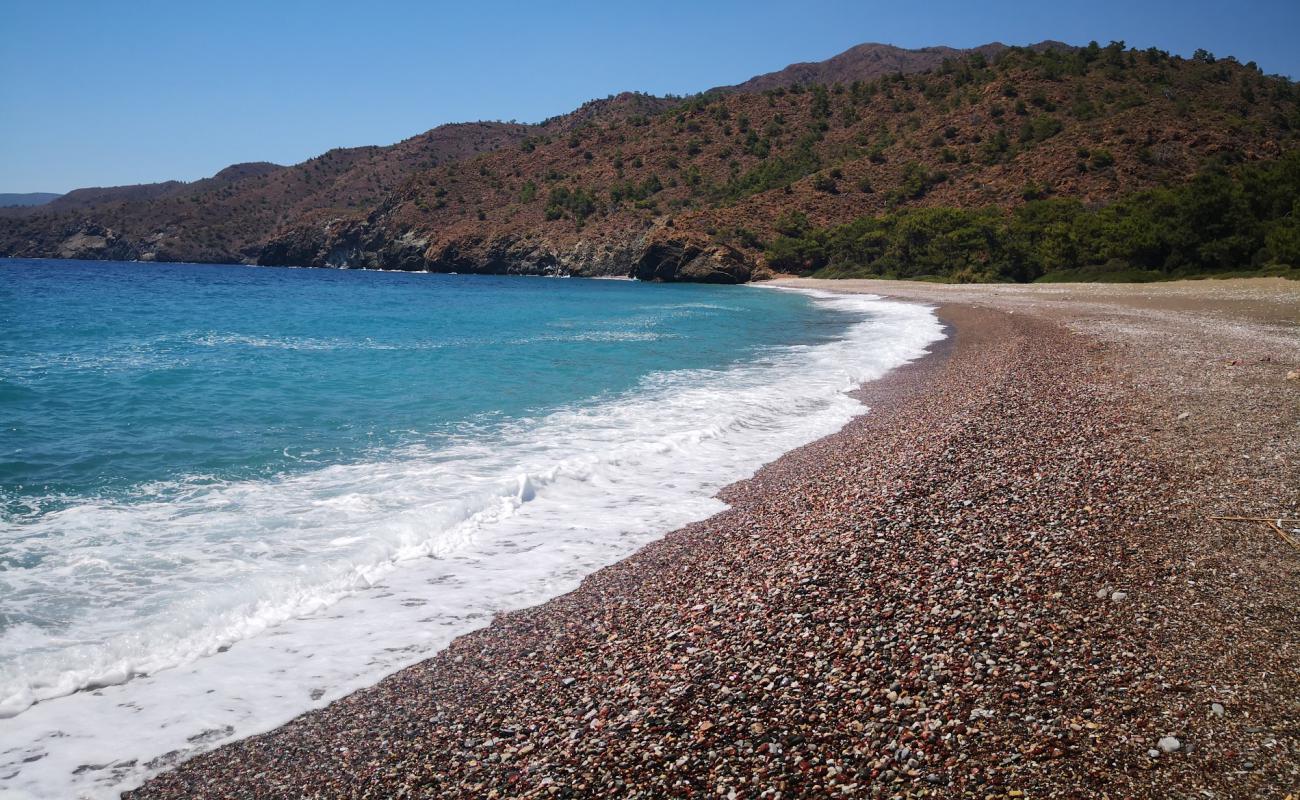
101, 93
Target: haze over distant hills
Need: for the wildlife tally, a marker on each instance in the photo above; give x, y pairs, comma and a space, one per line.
702, 188
27, 198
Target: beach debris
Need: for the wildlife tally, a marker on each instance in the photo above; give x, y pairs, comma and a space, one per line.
1286, 528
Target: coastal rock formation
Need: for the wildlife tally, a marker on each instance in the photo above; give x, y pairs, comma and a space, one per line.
693, 261
92, 241
345, 244
647, 257
348, 245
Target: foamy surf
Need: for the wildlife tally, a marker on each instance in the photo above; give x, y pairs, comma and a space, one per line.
230, 607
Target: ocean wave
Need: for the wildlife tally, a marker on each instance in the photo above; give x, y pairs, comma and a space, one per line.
432, 541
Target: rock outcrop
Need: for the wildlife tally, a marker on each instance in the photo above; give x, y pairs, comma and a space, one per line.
680, 259
648, 257
95, 242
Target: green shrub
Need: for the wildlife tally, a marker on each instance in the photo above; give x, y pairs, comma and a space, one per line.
825, 183
578, 202
1039, 128
1101, 159
776, 171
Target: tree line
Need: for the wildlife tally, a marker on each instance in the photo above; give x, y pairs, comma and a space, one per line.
1228, 218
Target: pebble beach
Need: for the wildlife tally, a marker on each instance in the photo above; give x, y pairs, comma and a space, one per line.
1005, 580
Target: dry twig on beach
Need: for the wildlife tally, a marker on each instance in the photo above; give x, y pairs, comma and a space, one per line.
1272, 523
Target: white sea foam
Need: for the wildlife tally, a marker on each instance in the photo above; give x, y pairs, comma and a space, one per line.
227, 608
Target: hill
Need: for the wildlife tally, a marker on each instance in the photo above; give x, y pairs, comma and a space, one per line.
26, 198
229, 216
870, 60
726, 185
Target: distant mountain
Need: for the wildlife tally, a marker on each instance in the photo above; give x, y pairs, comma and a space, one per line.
701, 188
144, 192
27, 198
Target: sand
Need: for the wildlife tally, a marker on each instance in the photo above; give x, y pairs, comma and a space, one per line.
1002, 581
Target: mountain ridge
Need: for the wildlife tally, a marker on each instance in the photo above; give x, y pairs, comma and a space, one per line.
25, 199
872, 60
693, 188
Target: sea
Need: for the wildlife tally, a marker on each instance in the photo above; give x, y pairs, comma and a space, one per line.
231, 494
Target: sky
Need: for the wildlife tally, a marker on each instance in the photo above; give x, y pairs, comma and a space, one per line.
108, 93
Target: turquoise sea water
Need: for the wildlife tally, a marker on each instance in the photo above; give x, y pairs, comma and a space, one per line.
116, 376
228, 494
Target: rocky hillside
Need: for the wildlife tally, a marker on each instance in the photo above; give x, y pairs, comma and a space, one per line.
230, 216
697, 189
867, 61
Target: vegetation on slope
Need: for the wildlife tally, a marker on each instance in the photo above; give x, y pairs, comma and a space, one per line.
1090, 125
633, 180
1225, 220
229, 216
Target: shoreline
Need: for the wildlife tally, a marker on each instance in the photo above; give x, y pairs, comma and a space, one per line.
784, 644
788, 396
